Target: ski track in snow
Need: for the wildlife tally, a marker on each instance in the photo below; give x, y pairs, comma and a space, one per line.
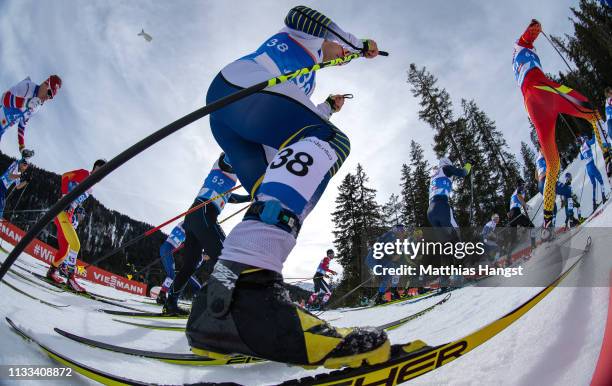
557, 342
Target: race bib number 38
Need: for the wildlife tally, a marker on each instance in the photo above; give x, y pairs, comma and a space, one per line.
297, 170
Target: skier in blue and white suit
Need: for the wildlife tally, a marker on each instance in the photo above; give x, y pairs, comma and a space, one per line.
440, 213
284, 150
387, 281
202, 231
175, 240
594, 175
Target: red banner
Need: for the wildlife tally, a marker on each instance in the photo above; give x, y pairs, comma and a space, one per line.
46, 253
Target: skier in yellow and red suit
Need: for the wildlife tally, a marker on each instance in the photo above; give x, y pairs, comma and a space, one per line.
544, 101
66, 222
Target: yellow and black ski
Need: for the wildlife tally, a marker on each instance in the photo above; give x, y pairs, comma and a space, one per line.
406, 364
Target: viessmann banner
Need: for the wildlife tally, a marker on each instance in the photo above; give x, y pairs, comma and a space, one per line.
45, 252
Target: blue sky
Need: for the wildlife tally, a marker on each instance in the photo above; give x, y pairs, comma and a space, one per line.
117, 88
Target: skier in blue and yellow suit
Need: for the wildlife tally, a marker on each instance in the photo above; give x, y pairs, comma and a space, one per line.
284, 151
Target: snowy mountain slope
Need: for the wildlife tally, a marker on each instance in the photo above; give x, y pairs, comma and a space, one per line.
557, 342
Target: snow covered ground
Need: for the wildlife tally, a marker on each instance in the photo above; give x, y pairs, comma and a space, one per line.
557, 342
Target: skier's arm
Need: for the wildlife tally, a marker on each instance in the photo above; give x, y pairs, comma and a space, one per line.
452, 171
325, 110
530, 35
238, 198
301, 18
332, 104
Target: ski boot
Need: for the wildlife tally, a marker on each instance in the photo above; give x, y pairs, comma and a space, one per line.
247, 310
63, 271
73, 285
595, 205
53, 274
603, 198
171, 307
161, 298
548, 228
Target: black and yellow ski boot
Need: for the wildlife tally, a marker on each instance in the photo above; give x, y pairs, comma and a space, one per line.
246, 310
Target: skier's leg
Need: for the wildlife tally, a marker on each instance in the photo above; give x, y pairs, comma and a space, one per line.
167, 259
597, 176
192, 252
326, 292
68, 251
245, 290
210, 236
545, 127
593, 184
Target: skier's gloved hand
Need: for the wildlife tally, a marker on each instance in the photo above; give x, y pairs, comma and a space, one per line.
27, 153
467, 167
335, 102
370, 48
530, 34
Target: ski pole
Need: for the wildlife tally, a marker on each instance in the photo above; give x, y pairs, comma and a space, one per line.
152, 139
26, 211
181, 246
345, 295
155, 229
591, 109
235, 213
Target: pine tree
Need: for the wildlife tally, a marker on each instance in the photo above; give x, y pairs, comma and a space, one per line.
392, 211
495, 168
590, 48
420, 184
356, 225
436, 110
407, 196
529, 170
370, 213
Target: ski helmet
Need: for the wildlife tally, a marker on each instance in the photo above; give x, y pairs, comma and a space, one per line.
55, 83
224, 164
520, 182
444, 161
329, 252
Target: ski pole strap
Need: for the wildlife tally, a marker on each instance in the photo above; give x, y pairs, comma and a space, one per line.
271, 213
